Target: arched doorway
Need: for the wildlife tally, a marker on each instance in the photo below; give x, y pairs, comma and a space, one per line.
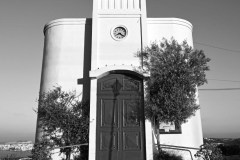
120, 133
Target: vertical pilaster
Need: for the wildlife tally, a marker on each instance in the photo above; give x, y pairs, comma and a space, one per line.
143, 7
107, 51
93, 119
97, 5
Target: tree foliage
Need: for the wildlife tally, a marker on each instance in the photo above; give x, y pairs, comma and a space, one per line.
175, 72
209, 151
163, 155
41, 150
64, 119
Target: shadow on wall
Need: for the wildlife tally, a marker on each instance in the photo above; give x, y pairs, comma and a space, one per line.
85, 81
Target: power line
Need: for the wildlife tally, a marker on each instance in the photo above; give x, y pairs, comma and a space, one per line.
225, 49
219, 89
224, 80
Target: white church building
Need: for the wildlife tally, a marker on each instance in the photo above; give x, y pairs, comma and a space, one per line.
96, 57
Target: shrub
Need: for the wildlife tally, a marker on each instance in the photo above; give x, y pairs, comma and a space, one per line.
83, 153
209, 151
163, 155
41, 150
63, 119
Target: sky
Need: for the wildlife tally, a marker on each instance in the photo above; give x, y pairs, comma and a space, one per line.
216, 31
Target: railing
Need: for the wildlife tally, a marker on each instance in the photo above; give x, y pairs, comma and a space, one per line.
179, 148
84, 144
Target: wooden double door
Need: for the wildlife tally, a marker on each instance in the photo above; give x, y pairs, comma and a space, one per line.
120, 118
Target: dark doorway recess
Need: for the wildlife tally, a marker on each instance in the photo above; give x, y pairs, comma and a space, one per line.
120, 118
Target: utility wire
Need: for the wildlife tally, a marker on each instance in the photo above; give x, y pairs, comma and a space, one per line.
224, 80
225, 49
219, 89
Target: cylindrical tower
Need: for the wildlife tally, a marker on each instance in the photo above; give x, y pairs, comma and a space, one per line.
66, 57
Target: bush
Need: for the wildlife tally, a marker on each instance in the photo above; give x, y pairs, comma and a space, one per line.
163, 155
41, 150
64, 121
209, 151
83, 153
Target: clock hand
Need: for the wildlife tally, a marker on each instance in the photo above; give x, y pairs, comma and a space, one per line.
120, 34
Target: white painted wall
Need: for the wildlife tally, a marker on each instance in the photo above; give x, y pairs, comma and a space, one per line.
63, 54
158, 28
108, 15
118, 52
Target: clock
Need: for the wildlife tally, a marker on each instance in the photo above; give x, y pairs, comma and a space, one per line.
119, 33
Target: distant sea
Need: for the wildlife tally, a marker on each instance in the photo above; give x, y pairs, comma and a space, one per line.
14, 154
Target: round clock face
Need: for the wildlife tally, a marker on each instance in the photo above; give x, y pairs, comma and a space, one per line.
119, 32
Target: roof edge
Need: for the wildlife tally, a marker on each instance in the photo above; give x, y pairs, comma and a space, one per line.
171, 20
67, 21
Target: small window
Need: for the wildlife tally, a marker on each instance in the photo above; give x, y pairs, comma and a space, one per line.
170, 128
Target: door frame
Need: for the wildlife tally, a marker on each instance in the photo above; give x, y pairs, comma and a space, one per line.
95, 75
119, 97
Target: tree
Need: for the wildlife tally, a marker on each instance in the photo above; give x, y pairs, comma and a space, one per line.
64, 119
175, 72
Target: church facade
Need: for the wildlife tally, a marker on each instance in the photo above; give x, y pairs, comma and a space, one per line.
96, 57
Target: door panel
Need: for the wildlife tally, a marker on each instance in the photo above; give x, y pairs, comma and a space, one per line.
108, 140
131, 85
108, 84
109, 113
120, 120
131, 112
131, 140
